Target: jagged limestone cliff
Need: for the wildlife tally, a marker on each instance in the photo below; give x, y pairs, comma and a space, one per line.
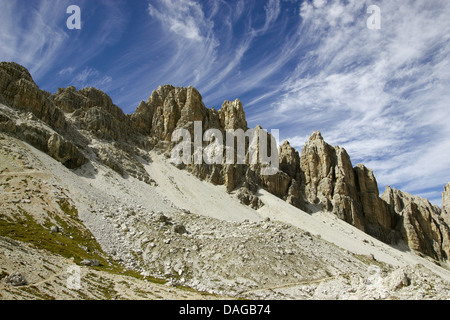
76, 127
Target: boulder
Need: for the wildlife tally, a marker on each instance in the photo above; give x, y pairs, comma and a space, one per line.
65, 152
90, 262
16, 279
180, 229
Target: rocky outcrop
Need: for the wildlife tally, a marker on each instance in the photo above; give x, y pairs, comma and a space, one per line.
93, 110
286, 184
64, 124
30, 129
420, 224
232, 116
446, 204
169, 108
352, 194
380, 219
64, 151
330, 180
17, 89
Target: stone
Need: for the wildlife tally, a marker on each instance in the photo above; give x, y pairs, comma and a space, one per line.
180, 229
16, 279
65, 152
397, 280
90, 262
249, 199
162, 218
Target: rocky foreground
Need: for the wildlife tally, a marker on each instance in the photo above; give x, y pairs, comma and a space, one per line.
85, 185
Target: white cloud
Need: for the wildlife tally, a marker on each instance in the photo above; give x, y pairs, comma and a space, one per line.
34, 34
185, 18
319, 3
66, 71
90, 77
381, 94
30, 34
272, 9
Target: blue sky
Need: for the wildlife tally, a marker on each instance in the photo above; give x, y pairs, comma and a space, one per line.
297, 66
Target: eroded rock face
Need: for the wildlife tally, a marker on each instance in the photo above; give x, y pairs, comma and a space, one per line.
288, 180
18, 89
232, 116
379, 218
68, 99
33, 131
169, 108
94, 111
42, 122
330, 180
421, 225
446, 204
65, 152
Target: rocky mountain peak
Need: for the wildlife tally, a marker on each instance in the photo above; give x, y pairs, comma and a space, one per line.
316, 135
232, 115
289, 159
15, 71
329, 179
80, 126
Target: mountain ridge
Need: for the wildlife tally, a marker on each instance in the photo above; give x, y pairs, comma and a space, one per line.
79, 125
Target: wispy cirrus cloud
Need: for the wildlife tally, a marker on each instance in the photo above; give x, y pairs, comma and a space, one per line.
30, 34
35, 35
90, 77
297, 66
185, 18
379, 93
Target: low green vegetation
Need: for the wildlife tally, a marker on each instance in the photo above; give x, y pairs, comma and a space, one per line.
24, 228
73, 242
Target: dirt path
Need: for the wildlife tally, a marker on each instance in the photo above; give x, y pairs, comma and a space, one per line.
294, 284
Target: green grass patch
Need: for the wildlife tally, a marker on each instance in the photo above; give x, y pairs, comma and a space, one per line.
35, 292
26, 229
68, 208
68, 243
